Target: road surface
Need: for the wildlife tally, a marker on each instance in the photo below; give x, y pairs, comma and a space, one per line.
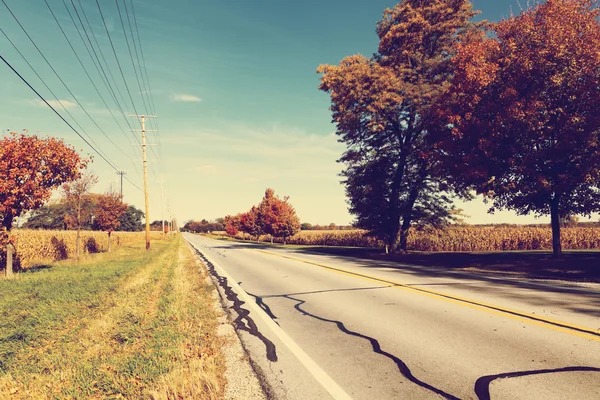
321, 327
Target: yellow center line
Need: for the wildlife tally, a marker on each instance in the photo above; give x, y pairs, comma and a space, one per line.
556, 325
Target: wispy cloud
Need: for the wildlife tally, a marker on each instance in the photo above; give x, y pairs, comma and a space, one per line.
185, 97
56, 103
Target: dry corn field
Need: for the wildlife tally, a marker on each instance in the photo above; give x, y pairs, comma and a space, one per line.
35, 247
470, 238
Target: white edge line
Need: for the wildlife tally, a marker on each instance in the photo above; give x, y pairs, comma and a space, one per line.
316, 371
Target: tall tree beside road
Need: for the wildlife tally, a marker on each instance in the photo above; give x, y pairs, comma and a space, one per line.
30, 168
523, 112
380, 104
108, 211
76, 196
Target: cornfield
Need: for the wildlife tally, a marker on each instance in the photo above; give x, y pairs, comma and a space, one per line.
36, 247
463, 238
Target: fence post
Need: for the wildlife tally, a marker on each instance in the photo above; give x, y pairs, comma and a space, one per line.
9, 260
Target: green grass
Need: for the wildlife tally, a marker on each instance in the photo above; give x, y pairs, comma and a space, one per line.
131, 323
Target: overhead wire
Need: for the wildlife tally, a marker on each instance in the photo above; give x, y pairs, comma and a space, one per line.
63, 119
59, 77
111, 90
136, 168
141, 89
47, 87
150, 92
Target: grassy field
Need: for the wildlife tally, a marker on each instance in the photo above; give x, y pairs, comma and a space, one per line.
126, 324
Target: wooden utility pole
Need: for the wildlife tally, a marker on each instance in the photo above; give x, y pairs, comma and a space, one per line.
121, 173
146, 198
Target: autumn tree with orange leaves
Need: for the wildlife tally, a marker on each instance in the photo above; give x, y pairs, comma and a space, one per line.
30, 168
109, 209
380, 106
277, 216
523, 112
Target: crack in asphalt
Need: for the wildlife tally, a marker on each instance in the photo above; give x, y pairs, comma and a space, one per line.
482, 385
402, 367
249, 325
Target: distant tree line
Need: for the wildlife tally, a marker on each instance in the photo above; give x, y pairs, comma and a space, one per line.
204, 226
56, 215
272, 216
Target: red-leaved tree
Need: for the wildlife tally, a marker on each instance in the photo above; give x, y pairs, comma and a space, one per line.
250, 223
30, 168
277, 216
109, 209
524, 112
232, 224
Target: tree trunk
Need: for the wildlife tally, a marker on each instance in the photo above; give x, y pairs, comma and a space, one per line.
555, 221
9, 260
394, 243
108, 247
404, 233
7, 225
78, 238
77, 243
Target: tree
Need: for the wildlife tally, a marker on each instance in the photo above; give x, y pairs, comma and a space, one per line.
523, 113
249, 223
306, 226
276, 216
232, 224
49, 216
30, 168
110, 208
131, 220
380, 106
76, 196
286, 223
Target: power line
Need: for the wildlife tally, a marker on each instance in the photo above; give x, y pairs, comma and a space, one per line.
60, 116
145, 70
58, 76
99, 63
47, 87
89, 77
116, 57
131, 57
133, 65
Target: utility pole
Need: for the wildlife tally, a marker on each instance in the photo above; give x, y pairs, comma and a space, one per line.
162, 207
121, 173
146, 198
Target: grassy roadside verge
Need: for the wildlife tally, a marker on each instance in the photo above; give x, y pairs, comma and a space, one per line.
130, 324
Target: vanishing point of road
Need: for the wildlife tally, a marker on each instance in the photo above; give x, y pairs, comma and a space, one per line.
320, 326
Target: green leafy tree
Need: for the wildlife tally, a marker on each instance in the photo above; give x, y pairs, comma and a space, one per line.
49, 216
131, 220
380, 106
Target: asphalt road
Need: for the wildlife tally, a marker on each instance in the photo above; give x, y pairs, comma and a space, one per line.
321, 327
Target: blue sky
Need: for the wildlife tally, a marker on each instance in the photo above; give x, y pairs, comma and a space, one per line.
235, 89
